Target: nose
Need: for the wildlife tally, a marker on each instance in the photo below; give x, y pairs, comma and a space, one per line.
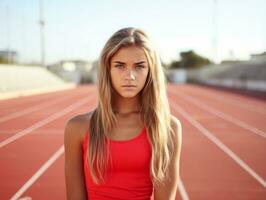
130, 75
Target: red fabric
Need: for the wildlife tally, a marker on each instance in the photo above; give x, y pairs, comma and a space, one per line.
129, 175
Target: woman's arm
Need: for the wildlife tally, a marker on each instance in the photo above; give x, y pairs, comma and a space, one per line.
168, 189
74, 176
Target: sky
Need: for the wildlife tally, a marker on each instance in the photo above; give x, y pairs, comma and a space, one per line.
78, 29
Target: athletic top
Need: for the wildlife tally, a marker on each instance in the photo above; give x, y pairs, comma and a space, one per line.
129, 175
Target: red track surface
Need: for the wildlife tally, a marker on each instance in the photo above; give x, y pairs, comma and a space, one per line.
223, 152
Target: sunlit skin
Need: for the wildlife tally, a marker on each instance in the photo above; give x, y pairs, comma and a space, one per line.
129, 70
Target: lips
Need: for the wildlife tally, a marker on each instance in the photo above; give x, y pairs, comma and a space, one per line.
129, 86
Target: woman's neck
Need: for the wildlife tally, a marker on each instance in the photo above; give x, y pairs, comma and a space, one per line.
126, 105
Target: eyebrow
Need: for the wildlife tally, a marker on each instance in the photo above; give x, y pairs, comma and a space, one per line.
137, 63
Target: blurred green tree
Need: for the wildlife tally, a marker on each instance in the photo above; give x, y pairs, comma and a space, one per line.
189, 59
3, 60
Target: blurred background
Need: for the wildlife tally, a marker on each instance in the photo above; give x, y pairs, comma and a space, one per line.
214, 58
216, 42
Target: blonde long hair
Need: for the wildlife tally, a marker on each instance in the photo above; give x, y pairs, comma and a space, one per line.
155, 112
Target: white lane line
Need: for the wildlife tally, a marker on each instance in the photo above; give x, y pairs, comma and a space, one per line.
221, 98
222, 115
33, 108
17, 102
46, 130
43, 168
222, 146
182, 190
44, 121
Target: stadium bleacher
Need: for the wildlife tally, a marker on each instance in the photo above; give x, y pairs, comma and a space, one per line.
25, 80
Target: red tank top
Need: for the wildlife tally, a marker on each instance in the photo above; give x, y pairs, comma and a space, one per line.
129, 177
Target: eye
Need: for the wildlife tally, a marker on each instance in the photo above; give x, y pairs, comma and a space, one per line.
140, 66
120, 66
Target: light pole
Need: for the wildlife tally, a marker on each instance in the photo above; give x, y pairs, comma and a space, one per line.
8, 34
42, 36
215, 31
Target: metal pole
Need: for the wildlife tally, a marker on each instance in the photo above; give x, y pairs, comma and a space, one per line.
8, 34
24, 42
42, 36
215, 31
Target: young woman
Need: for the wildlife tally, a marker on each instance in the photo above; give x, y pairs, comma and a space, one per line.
128, 147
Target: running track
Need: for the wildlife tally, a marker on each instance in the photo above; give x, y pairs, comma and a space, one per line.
223, 153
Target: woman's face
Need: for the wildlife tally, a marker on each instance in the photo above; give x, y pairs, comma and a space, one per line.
129, 70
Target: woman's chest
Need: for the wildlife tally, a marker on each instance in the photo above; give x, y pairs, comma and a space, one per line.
130, 156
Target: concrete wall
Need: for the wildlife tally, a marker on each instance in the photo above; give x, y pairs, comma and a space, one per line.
18, 80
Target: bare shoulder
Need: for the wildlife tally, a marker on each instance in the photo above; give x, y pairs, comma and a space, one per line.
75, 127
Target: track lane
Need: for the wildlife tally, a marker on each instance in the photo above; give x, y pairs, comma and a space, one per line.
208, 173
56, 187
29, 153
252, 119
204, 176
249, 147
26, 101
18, 112
229, 97
35, 119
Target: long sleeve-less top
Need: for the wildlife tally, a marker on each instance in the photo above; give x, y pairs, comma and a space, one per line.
128, 177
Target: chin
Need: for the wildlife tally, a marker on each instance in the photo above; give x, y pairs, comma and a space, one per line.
127, 95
